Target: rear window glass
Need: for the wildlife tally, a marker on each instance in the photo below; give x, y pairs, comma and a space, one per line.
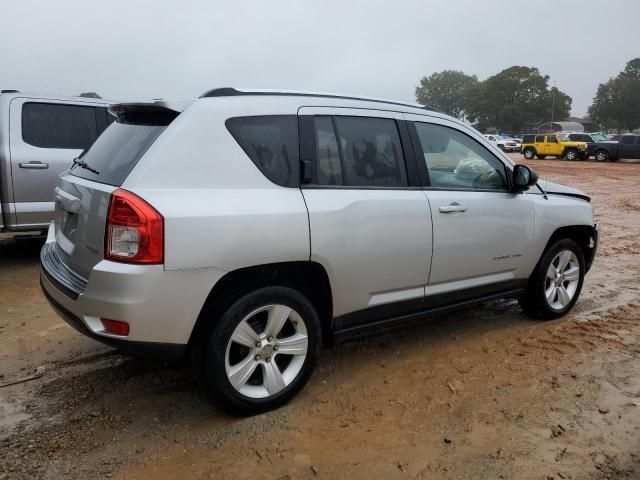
271, 142
53, 125
116, 152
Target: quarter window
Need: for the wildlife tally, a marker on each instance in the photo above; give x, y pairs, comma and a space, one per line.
54, 125
271, 142
456, 161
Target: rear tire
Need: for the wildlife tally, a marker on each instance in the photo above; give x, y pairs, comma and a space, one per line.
556, 282
571, 154
262, 351
601, 156
529, 153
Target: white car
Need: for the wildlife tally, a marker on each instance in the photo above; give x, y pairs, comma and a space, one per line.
503, 143
248, 228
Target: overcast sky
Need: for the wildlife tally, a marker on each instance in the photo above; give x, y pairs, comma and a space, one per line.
131, 50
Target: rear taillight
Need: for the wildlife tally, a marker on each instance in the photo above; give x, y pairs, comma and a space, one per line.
135, 230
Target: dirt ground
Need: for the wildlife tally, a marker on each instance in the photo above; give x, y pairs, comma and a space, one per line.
484, 393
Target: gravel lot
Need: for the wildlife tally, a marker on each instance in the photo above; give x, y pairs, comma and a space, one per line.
484, 393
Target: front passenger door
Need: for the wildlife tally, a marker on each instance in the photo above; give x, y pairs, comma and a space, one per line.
481, 229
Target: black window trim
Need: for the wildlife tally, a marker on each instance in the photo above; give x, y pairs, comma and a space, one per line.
96, 107
424, 171
308, 154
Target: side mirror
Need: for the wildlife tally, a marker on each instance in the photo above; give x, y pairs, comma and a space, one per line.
523, 178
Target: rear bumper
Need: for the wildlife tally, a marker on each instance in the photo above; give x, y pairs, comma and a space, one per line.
169, 352
160, 306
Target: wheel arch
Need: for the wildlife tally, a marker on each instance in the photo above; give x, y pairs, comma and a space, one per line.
581, 234
308, 277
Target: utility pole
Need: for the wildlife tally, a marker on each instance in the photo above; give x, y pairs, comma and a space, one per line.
553, 101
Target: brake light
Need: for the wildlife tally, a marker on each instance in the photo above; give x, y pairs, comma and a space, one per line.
134, 231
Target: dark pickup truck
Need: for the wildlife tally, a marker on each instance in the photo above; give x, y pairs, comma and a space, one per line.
602, 148
598, 146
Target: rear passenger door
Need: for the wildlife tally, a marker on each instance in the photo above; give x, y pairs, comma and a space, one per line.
45, 137
369, 219
481, 230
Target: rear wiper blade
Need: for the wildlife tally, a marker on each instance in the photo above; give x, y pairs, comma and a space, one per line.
83, 164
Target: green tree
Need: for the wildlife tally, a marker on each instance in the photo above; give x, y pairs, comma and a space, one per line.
448, 91
89, 95
517, 97
616, 103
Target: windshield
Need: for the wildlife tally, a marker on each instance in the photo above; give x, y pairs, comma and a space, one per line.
563, 137
598, 137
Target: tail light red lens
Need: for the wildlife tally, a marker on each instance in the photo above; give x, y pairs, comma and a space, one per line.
115, 326
134, 231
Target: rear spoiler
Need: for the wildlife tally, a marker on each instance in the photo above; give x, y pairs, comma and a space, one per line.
160, 112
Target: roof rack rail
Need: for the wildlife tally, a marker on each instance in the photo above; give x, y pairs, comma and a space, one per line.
233, 92
9, 90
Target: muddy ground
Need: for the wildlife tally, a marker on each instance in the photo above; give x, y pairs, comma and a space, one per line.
484, 393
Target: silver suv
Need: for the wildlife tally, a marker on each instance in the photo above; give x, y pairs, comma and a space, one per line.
247, 228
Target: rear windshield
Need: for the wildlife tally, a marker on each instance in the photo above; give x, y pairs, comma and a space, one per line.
114, 154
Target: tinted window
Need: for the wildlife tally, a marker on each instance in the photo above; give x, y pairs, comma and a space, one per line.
371, 152
116, 152
49, 125
527, 139
329, 168
271, 142
628, 139
539, 138
455, 160
552, 139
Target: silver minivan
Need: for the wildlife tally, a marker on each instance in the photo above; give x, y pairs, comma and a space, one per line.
247, 228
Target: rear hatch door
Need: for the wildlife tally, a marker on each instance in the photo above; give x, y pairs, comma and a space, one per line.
83, 193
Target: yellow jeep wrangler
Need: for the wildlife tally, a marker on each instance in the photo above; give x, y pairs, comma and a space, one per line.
558, 145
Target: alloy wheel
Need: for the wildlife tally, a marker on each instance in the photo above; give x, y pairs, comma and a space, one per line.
266, 351
563, 276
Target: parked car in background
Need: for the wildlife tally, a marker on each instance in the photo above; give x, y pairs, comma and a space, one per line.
224, 229
503, 143
629, 146
40, 135
557, 145
598, 145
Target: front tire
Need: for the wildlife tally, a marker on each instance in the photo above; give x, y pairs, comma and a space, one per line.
571, 154
529, 153
262, 351
601, 156
555, 285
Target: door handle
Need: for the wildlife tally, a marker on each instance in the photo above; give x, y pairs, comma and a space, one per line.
34, 165
452, 208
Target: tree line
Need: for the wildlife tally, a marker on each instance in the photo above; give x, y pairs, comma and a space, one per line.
520, 97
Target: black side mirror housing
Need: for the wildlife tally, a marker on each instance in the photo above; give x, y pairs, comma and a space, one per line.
523, 177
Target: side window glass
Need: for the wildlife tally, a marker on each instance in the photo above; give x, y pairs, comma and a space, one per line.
552, 139
371, 152
455, 160
329, 168
628, 140
271, 142
539, 138
53, 125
